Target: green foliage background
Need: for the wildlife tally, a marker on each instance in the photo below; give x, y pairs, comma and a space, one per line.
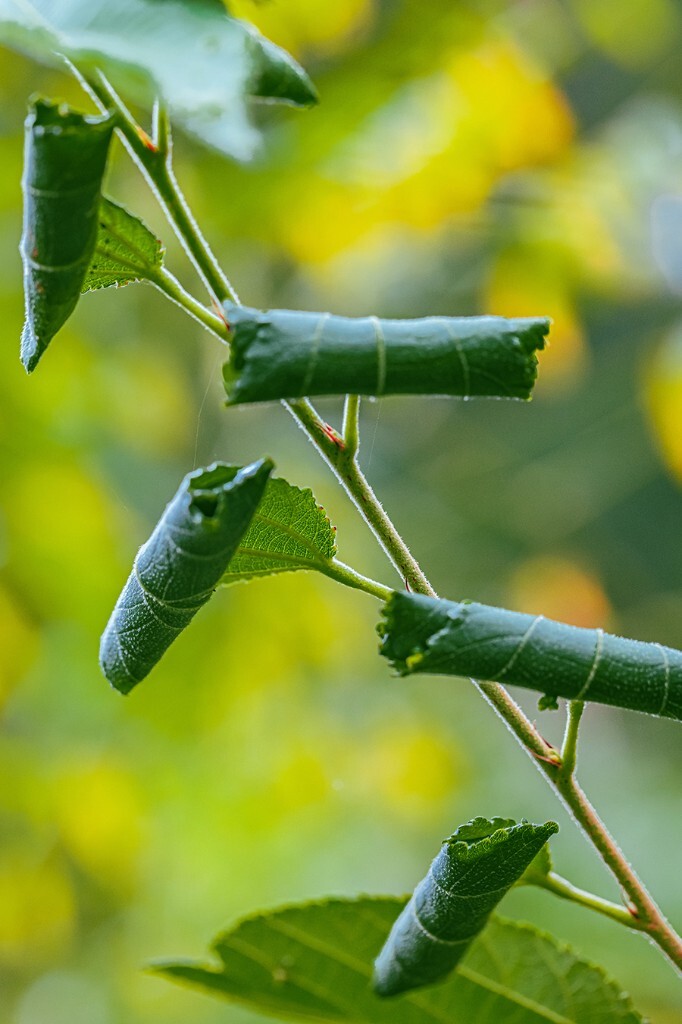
521, 159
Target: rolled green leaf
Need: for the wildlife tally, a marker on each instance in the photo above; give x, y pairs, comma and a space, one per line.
475, 868
425, 634
287, 354
179, 567
65, 157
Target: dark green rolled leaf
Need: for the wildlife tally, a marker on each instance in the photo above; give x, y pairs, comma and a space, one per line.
125, 250
424, 634
179, 567
287, 354
289, 531
203, 62
475, 868
314, 962
65, 158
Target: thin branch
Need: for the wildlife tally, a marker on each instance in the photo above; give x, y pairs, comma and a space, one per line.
644, 909
173, 290
343, 573
351, 425
569, 749
565, 890
361, 494
156, 166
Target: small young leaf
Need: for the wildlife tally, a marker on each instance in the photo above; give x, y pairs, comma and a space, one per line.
203, 62
538, 869
179, 567
314, 961
65, 158
424, 634
289, 531
125, 250
475, 868
286, 354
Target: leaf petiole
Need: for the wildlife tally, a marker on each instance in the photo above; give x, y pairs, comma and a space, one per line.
173, 290
569, 749
155, 163
565, 890
351, 425
343, 573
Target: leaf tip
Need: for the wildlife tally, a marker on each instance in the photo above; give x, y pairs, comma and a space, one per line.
31, 351
111, 662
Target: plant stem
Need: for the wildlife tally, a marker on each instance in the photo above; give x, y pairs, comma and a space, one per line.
155, 163
645, 914
355, 483
569, 748
351, 425
343, 573
518, 723
161, 129
172, 289
567, 891
341, 455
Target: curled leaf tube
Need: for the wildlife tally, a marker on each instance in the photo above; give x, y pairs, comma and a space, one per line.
288, 354
425, 634
64, 162
474, 869
178, 568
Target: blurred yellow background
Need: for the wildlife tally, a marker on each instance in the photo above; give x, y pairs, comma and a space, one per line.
514, 158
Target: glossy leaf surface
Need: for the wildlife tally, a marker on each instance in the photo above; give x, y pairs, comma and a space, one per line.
179, 567
200, 59
424, 634
287, 354
64, 162
314, 962
125, 250
473, 871
289, 531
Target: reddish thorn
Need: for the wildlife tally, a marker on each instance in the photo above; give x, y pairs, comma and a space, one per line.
408, 588
556, 761
333, 436
147, 140
220, 313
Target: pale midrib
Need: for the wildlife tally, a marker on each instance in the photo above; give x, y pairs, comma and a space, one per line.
279, 556
134, 249
318, 945
295, 535
120, 261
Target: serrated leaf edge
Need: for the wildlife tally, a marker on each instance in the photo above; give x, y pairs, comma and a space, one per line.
163, 967
315, 564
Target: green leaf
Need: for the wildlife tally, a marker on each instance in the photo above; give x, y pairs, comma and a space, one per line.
287, 354
314, 962
64, 162
289, 531
473, 871
125, 250
197, 57
179, 567
424, 634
